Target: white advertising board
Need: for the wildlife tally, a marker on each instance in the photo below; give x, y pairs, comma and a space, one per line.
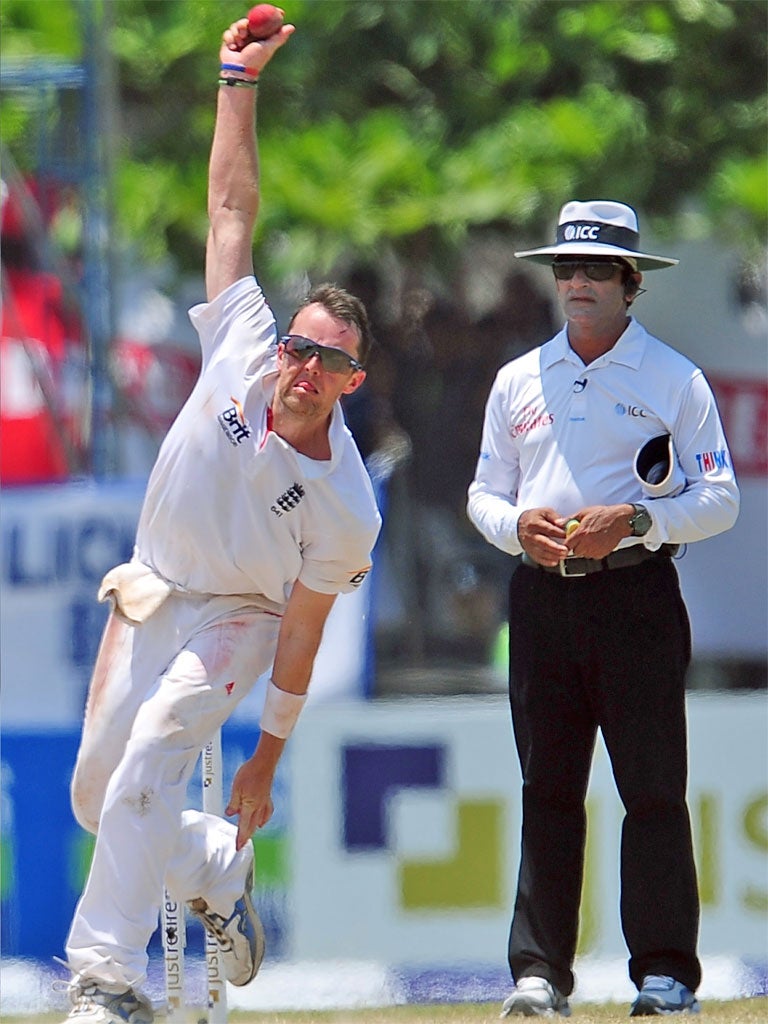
57, 543
406, 821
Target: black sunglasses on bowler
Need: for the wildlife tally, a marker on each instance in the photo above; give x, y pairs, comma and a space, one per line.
334, 360
595, 270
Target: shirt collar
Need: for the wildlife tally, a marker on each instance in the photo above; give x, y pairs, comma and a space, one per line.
628, 350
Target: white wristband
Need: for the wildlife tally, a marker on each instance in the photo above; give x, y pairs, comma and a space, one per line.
281, 709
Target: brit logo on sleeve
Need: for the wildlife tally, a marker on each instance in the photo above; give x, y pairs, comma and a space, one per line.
234, 424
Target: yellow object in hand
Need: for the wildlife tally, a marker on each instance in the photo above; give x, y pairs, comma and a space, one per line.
570, 526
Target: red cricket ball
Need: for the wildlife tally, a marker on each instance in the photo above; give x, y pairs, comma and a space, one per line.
264, 20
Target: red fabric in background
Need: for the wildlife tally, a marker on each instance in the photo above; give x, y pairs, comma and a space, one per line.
35, 339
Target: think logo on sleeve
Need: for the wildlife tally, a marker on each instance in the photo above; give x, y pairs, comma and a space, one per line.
709, 461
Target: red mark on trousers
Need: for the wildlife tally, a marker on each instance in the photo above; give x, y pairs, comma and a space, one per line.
230, 687
107, 662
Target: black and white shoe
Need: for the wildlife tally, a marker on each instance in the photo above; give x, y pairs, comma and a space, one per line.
240, 936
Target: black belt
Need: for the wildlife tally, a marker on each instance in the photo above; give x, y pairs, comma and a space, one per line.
620, 559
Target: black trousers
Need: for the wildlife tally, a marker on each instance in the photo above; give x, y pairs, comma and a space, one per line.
607, 651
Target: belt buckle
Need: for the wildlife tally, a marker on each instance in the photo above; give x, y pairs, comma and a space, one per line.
563, 564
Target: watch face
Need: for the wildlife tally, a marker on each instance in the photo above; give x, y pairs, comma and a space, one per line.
640, 521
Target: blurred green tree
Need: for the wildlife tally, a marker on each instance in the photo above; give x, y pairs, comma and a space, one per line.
404, 125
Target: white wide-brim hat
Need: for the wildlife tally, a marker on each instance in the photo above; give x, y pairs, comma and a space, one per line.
599, 227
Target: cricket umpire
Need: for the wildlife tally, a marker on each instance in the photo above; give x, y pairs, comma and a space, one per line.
602, 456
258, 512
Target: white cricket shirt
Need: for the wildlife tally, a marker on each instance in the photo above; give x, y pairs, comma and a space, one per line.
231, 508
563, 435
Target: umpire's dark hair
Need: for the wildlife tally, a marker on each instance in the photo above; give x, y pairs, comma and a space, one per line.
342, 305
631, 287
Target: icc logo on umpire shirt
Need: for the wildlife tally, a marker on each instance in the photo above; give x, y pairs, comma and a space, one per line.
629, 410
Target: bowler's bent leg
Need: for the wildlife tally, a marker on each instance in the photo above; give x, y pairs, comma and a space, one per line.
140, 830
123, 675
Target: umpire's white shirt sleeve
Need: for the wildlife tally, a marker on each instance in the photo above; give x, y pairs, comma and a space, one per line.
492, 494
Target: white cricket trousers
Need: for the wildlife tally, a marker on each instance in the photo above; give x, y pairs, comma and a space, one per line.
159, 692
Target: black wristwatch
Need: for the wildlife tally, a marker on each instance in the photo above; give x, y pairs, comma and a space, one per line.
640, 521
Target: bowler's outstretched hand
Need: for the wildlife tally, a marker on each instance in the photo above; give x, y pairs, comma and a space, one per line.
256, 54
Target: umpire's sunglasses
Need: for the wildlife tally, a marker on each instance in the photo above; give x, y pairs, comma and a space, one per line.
334, 360
595, 270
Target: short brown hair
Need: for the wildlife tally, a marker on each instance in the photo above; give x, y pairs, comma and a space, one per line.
344, 306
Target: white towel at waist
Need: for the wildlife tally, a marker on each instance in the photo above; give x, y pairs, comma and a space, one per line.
135, 590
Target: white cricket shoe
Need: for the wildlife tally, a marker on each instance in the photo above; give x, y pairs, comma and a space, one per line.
535, 997
92, 1004
240, 936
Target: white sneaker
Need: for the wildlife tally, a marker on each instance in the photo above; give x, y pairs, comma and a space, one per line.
240, 936
92, 1004
535, 997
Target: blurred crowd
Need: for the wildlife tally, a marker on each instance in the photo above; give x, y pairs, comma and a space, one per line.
44, 381
47, 382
